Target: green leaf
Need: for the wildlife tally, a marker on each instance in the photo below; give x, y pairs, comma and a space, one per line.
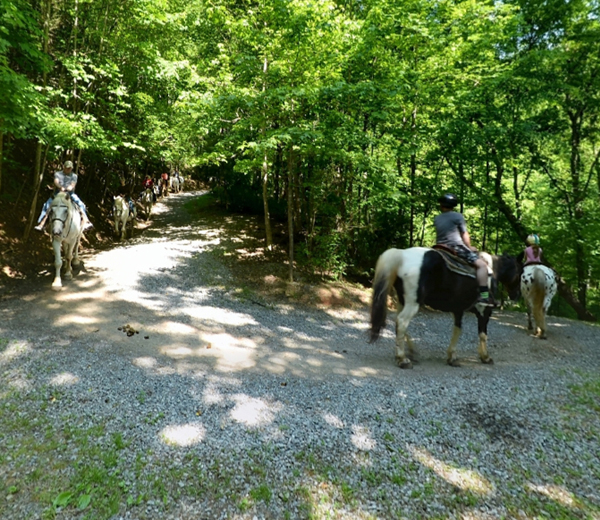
62, 500
84, 501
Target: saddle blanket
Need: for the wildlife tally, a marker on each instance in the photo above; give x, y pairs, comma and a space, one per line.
456, 264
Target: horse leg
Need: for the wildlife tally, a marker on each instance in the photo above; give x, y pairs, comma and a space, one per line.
76, 261
482, 323
451, 358
57, 283
539, 315
68, 259
402, 320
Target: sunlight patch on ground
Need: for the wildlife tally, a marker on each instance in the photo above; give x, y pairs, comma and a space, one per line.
14, 350
365, 372
333, 420
224, 340
173, 327
179, 352
253, 412
361, 438
463, 478
145, 362
229, 353
17, 380
152, 260
74, 319
183, 434
64, 379
217, 315
557, 493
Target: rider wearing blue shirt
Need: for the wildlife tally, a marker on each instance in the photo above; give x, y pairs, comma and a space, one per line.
65, 180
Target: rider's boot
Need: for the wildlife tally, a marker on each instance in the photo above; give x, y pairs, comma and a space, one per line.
85, 222
40, 226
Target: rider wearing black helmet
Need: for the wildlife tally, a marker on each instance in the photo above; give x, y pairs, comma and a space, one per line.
451, 230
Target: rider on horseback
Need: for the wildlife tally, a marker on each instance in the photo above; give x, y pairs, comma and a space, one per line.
533, 251
148, 184
65, 180
451, 230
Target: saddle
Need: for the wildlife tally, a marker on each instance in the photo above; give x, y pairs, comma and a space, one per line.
455, 263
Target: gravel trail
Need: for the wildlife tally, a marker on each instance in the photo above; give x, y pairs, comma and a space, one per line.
217, 406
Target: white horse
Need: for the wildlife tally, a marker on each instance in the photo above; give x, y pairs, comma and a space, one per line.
538, 287
181, 183
123, 217
147, 201
65, 222
174, 184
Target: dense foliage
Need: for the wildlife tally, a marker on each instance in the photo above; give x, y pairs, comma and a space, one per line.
344, 119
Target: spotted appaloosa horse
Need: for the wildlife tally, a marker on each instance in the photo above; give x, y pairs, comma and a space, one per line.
421, 277
538, 287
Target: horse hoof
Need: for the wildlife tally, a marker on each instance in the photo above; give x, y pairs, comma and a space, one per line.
488, 361
454, 362
56, 287
405, 364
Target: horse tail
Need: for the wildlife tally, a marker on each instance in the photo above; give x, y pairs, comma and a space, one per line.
386, 272
538, 294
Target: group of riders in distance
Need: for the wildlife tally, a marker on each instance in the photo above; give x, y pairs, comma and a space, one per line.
452, 276
65, 181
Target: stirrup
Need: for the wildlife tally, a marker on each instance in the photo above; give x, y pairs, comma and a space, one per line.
486, 302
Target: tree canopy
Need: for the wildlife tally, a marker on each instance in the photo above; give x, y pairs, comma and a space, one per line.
346, 119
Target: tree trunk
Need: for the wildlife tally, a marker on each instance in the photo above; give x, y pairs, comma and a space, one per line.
413, 174
1, 155
265, 195
290, 212
39, 173
265, 171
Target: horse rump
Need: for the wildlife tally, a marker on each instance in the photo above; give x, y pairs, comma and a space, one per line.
537, 296
386, 272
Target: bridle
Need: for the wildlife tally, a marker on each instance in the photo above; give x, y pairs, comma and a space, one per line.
63, 221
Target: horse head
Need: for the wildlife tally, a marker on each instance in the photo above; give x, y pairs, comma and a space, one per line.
118, 205
61, 210
507, 270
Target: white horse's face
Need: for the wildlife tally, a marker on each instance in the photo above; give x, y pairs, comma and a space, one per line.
59, 213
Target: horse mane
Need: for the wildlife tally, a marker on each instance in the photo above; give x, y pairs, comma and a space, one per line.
61, 196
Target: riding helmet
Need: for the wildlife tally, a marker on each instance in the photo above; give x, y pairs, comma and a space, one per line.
533, 240
448, 200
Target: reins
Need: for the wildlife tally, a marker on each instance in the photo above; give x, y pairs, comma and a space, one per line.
69, 217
